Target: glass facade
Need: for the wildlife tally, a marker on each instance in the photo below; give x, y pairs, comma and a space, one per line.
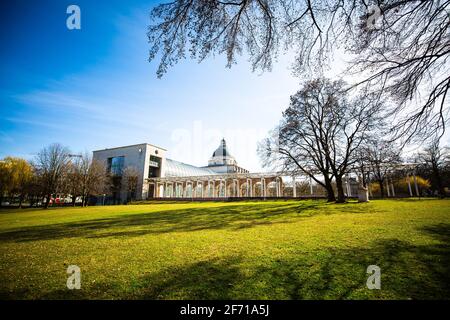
179, 169
115, 165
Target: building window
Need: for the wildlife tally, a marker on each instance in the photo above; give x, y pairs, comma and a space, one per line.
154, 169
115, 165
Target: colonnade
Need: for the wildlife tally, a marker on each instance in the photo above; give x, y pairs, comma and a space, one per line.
389, 185
217, 187
225, 186
261, 185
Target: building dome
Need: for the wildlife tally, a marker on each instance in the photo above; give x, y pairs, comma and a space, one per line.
221, 156
222, 150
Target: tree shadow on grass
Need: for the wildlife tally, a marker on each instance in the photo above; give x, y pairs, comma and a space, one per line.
407, 272
233, 217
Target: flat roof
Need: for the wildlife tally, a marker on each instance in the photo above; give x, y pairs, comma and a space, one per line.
131, 145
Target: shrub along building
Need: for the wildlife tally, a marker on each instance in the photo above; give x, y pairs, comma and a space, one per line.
159, 177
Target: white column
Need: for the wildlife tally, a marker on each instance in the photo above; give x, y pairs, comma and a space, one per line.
392, 186
154, 189
277, 187
387, 187
409, 185
251, 188
349, 187
310, 186
225, 188
264, 187
294, 188
415, 185
209, 189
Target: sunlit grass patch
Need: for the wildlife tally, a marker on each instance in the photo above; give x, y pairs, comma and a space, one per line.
239, 250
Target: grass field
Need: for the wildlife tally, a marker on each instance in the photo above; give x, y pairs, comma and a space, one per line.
245, 250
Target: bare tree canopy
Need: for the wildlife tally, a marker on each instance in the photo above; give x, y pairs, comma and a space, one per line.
52, 163
435, 160
131, 180
376, 157
401, 47
85, 177
321, 131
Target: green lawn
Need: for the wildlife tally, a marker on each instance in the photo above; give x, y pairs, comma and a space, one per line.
244, 250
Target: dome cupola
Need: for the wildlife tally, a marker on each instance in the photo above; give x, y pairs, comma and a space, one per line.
221, 156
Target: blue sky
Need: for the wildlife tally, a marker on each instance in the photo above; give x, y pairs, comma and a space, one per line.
94, 88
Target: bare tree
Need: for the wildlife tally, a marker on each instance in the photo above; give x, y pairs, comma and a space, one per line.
320, 132
297, 145
72, 182
52, 162
401, 47
92, 177
131, 177
435, 159
378, 156
34, 188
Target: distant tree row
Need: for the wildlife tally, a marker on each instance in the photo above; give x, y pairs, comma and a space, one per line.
56, 172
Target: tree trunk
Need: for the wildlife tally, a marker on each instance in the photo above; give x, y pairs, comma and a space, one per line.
20, 200
340, 190
438, 179
47, 201
31, 198
380, 182
74, 199
85, 199
330, 192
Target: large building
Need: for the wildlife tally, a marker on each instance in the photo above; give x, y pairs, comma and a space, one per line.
150, 162
159, 177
